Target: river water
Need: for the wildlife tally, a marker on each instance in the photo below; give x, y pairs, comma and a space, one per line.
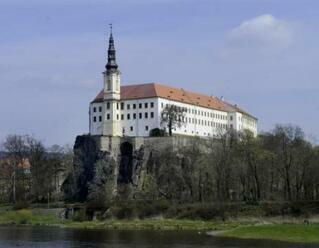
11, 236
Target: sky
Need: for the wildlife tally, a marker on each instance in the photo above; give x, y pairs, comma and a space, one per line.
260, 54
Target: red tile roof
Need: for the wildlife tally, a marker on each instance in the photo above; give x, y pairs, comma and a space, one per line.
151, 90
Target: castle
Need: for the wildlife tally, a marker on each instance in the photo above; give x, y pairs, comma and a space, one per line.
135, 110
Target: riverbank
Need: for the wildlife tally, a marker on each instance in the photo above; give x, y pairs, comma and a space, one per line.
26, 217
298, 233
250, 228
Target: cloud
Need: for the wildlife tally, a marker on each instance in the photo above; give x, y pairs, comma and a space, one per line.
262, 34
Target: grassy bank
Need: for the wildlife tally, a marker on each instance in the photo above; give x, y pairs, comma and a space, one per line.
26, 217
283, 232
153, 224
238, 229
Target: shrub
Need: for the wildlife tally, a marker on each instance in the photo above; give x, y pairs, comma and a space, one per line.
147, 209
79, 215
157, 132
274, 209
23, 216
204, 213
21, 205
123, 212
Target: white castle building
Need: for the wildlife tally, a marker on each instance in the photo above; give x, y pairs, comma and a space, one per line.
134, 110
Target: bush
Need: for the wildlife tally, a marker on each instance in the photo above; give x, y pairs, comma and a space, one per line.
204, 213
23, 216
274, 209
79, 215
21, 205
147, 209
123, 212
157, 132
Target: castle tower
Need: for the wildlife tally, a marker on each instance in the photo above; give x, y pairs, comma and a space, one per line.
112, 93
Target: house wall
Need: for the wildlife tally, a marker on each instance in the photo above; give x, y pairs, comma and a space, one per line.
199, 121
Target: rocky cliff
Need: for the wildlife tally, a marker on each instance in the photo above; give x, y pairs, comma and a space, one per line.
108, 168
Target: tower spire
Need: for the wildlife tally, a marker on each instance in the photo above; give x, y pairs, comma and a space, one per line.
111, 65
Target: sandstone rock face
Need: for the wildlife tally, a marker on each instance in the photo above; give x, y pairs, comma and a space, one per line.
107, 168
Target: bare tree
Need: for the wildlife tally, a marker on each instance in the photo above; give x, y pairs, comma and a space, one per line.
16, 151
173, 116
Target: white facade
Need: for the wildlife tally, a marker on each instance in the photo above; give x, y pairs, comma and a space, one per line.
111, 115
137, 117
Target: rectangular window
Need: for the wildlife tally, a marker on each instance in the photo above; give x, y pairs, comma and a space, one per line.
122, 117
94, 119
122, 105
231, 118
100, 109
94, 109
108, 116
128, 116
146, 128
131, 128
107, 105
146, 115
140, 115
134, 106
117, 116
128, 106
152, 114
146, 105
152, 105
140, 105
100, 118
117, 105
134, 116
162, 104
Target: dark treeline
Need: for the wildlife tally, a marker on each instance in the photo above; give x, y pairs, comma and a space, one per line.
280, 165
276, 173
30, 172
277, 166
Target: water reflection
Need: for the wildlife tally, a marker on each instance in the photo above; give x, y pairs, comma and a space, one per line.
56, 237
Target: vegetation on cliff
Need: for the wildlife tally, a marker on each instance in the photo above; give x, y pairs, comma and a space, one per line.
279, 166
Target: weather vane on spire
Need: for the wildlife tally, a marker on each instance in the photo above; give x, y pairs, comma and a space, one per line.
111, 27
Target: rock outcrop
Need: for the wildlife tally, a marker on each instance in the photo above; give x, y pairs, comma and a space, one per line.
107, 168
